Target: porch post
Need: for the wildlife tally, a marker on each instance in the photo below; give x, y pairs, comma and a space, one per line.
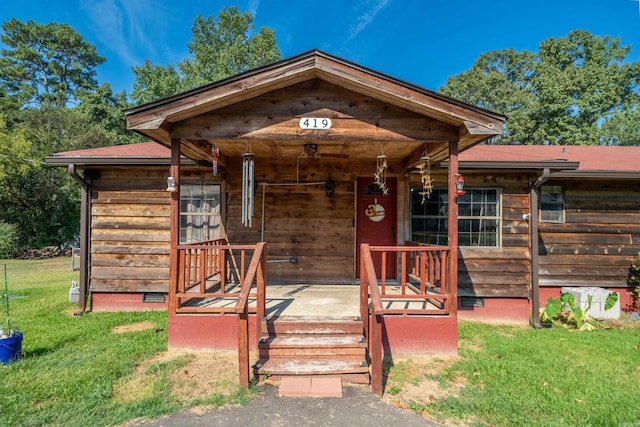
174, 171
453, 228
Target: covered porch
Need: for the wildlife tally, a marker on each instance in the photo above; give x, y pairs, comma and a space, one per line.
314, 156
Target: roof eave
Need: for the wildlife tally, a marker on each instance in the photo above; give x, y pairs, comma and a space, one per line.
112, 161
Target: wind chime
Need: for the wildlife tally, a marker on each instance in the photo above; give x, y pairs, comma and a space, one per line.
215, 156
424, 169
381, 173
247, 188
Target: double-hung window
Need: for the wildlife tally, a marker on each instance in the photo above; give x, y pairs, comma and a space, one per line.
478, 217
551, 203
199, 212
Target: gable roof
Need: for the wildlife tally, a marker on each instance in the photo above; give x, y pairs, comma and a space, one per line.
156, 119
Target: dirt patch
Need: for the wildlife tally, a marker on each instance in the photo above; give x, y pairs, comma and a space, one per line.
189, 376
417, 382
134, 327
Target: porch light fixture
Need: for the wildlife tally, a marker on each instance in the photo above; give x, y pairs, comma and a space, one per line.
460, 185
329, 188
171, 183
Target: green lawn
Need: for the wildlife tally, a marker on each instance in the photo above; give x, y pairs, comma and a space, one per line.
73, 364
517, 376
74, 367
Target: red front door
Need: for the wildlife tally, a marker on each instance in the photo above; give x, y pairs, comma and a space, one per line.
376, 222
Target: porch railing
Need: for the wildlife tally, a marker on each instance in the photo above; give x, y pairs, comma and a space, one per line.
257, 270
421, 289
207, 270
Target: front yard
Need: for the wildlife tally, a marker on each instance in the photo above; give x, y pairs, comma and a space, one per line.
108, 368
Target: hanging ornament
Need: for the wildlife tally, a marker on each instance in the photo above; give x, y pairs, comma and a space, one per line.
247, 188
215, 156
424, 169
381, 173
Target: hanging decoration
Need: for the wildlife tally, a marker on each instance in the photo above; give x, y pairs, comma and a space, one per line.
247, 188
215, 156
381, 173
424, 169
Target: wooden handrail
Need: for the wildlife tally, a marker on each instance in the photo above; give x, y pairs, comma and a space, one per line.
256, 267
425, 265
373, 328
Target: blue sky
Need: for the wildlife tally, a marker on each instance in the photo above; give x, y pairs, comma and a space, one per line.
420, 41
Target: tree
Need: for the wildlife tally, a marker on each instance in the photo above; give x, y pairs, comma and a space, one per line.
220, 48
577, 90
154, 82
46, 63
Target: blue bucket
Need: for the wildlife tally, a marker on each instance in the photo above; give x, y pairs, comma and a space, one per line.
10, 349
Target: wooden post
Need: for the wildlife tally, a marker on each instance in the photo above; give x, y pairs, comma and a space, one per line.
453, 229
174, 171
243, 346
376, 354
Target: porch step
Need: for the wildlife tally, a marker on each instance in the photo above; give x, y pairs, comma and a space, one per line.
312, 325
314, 347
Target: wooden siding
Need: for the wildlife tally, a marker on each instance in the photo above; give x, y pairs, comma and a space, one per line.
299, 220
502, 271
130, 229
599, 239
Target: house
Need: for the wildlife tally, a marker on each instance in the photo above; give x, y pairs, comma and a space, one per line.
353, 179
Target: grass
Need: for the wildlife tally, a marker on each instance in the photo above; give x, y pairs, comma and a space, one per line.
515, 376
77, 371
71, 365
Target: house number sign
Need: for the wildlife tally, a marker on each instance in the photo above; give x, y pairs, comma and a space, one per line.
315, 123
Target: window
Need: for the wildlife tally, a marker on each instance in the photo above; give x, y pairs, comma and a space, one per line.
478, 217
199, 212
551, 203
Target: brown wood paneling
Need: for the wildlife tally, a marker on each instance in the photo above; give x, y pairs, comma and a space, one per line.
130, 230
598, 240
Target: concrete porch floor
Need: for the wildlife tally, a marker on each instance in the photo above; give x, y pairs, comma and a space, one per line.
316, 300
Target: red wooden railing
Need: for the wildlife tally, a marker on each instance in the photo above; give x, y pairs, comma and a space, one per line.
423, 279
209, 269
257, 270
215, 270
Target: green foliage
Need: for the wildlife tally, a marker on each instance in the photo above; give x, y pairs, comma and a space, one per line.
633, 280
564, 311
576, 90
8, 239
220, 48
45, 64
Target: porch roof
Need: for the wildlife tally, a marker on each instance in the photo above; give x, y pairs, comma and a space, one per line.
453, 120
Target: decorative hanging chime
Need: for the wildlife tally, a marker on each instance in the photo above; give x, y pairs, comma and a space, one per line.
381, 173
247, 188
215, 156
424, 169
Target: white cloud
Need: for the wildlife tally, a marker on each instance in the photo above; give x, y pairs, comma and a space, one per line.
254, 4
127, 28
366, 17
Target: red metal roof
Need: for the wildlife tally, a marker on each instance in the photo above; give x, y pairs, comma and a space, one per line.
591, 158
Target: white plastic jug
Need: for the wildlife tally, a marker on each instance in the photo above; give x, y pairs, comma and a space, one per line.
74, 292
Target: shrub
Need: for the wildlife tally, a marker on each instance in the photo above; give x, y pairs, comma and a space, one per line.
8, 239
633, 281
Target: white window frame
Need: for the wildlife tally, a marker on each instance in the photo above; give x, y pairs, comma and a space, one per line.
552, 195
200, 212
442, 217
